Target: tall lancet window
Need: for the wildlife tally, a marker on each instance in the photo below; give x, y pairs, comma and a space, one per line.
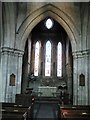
36, 65
59, 59
48, 59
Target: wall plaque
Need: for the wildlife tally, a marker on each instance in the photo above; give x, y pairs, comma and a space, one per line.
82, 80
12, 80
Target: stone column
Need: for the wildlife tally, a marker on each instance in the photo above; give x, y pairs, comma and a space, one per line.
3, 83
81, 66
29, 54
69, 79
41, 59
75, 79
68, 74
11, 62
32, 57
89, 77
1, 35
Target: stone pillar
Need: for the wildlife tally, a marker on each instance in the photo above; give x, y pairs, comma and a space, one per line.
81, 66
1, 35
29, 54
4, 75
41, 59
11, 62
69, 79
69, 68
32, 57
89, 77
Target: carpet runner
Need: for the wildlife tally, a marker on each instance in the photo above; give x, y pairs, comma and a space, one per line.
44, 109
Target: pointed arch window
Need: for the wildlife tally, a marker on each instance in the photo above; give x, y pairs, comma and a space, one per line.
59, 59
48, 59
36, 65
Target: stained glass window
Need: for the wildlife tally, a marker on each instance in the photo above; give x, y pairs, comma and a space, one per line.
36, 65
59, 59
48, 59
49, 23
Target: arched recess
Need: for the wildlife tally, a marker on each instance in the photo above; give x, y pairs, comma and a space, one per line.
52, 11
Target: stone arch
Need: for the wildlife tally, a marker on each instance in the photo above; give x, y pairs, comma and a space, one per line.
37, 16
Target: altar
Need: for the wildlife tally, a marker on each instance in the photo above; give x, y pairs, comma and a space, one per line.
47, 91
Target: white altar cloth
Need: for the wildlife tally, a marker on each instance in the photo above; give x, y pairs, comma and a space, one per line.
47, 91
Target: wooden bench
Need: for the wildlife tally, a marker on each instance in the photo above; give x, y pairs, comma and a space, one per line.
76, 111
12, 111
13, 105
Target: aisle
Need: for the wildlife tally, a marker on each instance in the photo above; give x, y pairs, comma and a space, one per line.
45, 110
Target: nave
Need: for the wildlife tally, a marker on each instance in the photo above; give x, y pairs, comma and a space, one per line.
39, 108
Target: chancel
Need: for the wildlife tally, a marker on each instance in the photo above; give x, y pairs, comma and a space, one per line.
45, 60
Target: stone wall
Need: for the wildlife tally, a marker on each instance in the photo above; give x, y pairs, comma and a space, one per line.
11, 62
81, 66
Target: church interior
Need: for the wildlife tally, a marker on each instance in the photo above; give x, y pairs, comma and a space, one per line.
44, 60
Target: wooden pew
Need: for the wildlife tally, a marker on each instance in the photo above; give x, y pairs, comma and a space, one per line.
13, 105
74, 111
12, 111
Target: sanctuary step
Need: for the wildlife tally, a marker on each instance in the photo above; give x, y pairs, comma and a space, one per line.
46, 100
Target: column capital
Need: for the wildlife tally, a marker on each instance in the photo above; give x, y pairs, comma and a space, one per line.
7, 50
81, 54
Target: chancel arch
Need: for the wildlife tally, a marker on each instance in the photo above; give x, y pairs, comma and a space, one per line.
51, 11
51, 64
38, 16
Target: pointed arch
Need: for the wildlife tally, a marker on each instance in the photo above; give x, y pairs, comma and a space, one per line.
52, 11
